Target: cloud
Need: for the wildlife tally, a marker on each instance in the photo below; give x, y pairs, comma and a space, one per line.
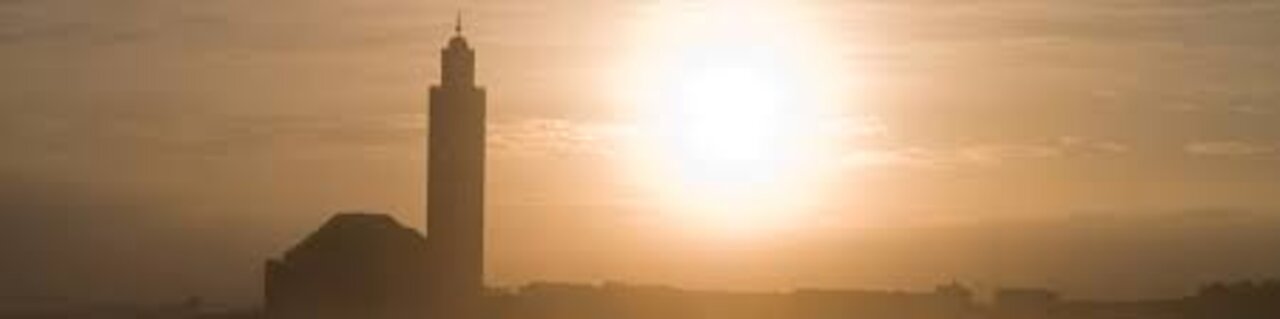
984, 154
1231, 148
1062, 147
998, 153
557, 137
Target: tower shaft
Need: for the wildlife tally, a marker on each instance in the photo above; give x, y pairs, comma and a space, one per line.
455, 183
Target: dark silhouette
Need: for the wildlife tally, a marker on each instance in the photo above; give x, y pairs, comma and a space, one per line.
1239, 300
355, 266
455, 183
1244, 299
369, 266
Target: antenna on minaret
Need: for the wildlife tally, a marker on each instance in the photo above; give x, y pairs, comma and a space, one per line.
457, 25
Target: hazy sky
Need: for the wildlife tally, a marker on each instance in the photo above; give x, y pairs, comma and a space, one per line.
155, 149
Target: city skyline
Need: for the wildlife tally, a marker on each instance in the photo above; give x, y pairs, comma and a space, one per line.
1007, 144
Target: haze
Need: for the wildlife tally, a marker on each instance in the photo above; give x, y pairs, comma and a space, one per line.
159, 149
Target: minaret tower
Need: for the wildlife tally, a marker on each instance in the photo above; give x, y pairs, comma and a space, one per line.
455, 183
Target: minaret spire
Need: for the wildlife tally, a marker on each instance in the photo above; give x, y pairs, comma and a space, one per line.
457, 24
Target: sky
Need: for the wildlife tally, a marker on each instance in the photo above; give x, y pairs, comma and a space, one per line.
159, 149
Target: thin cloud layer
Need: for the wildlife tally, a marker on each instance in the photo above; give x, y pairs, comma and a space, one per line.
1231, 148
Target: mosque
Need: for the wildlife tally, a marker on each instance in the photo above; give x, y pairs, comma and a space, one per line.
370, 266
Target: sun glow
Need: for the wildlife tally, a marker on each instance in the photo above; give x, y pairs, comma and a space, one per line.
732, 112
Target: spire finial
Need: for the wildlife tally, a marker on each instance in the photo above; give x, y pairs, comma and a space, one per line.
457, 24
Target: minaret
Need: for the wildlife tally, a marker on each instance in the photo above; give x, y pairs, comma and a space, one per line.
455, 183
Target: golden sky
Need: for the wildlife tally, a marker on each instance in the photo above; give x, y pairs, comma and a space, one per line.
1069, 144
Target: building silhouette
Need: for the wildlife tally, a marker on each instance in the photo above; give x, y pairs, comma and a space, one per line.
354, 266
455, 183
369, 266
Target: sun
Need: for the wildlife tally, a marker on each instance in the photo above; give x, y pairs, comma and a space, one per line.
731, 111
726, 124
730, 144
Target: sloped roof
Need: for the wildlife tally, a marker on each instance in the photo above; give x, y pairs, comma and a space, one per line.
357, 236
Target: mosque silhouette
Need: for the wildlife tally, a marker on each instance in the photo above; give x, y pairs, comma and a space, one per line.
368, 265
